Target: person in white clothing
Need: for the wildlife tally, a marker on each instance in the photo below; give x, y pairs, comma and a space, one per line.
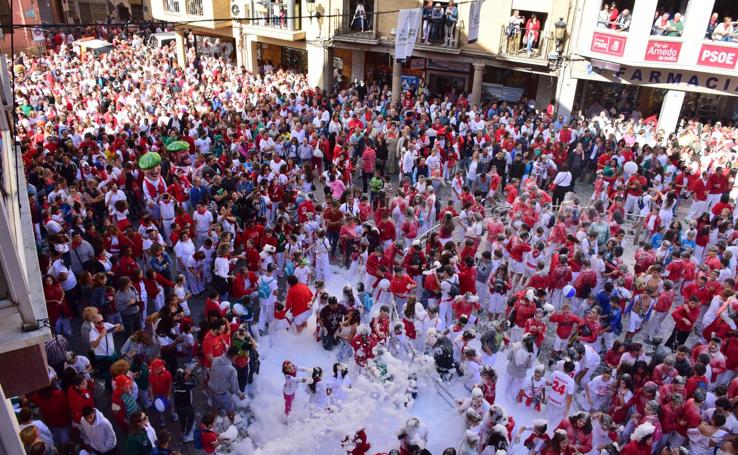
267, 287
203, 218
559, 395
97, 431
598, 392
322, 263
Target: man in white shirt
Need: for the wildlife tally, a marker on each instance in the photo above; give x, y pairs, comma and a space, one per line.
560, 392
476, 124
61, 273
101, 337
203, 218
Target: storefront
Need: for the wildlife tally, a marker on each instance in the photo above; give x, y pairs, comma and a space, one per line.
282, 56
215, 46
508, 85
626, 89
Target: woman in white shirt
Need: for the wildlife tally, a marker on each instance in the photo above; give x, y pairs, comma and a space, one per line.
562, 184
183, 250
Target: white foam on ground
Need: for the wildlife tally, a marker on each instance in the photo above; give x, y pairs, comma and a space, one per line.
373, 405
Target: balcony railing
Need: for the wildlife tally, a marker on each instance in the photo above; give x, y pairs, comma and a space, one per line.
194, 7
350, 26
514, 45
171, 6
440, 34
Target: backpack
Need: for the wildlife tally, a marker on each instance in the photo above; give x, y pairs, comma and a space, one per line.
454, 290
264, 290
289, 269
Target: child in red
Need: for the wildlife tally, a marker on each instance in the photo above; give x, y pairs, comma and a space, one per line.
160, 387
209, 439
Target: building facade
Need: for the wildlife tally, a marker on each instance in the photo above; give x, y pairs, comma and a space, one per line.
354, 40
676, 59
658, 57
24, 324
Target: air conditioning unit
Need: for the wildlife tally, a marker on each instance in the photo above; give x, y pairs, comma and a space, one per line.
240, 9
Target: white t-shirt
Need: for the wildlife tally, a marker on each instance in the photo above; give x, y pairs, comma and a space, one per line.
57, 268
599, 387
561, 386
202, 221
107, 344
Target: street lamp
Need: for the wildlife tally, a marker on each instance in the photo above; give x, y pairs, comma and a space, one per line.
559, 34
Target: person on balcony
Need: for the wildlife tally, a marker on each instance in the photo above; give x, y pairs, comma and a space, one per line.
614, 13
359, 21
623, 22
532, 29
676, 26
724, 31
436, 23
661, 24
427, 13
514, 25
452, 17
603, 20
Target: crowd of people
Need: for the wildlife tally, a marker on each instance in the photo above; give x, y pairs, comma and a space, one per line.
185, 214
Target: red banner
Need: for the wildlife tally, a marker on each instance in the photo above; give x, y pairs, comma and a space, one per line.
605, 43
663, 51
718, 56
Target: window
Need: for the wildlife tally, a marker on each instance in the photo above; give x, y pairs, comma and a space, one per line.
360, 16
616, 15
723, 25
669, 18
5, 16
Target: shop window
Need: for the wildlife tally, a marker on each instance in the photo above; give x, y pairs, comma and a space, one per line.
615, 15
723, 25
669, 18
294, 59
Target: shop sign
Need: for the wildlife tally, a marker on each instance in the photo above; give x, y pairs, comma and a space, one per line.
501, 92
663, 51
445, 65
718, 56
666, 79
604, 43
417, 63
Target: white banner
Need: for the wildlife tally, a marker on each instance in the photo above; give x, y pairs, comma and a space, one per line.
401, 33
475, 10
406, 33
414, 23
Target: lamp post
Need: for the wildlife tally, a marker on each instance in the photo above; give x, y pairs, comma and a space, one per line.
559, 34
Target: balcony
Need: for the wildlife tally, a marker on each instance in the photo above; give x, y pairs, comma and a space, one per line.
199, 12
351, 29
513, 47
274, 19
440, 37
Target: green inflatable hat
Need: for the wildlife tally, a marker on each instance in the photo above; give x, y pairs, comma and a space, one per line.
149, 160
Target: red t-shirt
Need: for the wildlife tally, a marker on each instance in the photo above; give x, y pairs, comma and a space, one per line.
214, 346
208, 438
